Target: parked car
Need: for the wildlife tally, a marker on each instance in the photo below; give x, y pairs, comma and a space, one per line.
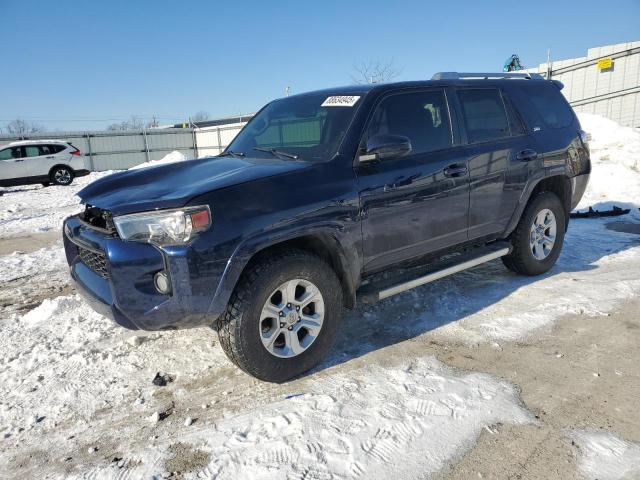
40, 161
330, 197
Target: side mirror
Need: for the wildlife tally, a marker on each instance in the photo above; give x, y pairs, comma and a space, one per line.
383, 146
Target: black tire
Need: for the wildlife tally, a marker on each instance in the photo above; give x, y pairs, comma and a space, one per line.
521, 259
61, 175
238, 327
46, 184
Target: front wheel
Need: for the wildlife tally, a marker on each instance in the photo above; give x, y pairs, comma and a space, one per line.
283, 316
62, 175
538, 238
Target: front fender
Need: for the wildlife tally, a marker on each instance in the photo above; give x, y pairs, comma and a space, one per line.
344, 249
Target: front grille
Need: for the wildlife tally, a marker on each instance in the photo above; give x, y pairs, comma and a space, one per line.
95, 261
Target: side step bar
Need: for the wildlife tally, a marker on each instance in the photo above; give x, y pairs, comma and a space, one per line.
374, 292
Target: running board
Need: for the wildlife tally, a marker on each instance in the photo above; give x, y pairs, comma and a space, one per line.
377, 291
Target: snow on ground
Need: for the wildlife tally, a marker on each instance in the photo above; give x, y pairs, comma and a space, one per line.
604, 456
76, 365
33, 208
71, 381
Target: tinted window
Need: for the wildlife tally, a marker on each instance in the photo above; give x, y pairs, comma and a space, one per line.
56, 148
484, 114
32, 150
45, 150
422, 117
515, 121
10, 153
550, 105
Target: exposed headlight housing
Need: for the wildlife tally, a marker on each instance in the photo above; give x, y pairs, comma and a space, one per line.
164, 227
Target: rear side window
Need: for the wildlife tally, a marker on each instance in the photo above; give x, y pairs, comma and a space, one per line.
550, 105
515, 122
484, 115
423, 117
50, 149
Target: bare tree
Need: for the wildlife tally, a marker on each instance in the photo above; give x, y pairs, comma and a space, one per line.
200, 116
22, 127
134, 123
375, 71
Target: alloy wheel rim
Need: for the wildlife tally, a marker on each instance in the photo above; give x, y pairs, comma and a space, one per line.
62, 176
291, 318
542, 236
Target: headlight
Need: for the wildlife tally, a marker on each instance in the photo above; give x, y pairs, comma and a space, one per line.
164, 227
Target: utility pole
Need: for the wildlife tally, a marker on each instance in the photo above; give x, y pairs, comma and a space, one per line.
548, 64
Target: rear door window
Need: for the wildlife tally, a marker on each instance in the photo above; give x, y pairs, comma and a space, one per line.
484, 114
553, 109
423, 117
32, 150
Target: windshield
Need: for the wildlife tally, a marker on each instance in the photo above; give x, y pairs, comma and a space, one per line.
308, 127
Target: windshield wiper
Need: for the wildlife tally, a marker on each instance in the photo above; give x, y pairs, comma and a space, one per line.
232, 153
276, 153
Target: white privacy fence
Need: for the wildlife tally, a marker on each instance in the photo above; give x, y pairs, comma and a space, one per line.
119, 150
109, 150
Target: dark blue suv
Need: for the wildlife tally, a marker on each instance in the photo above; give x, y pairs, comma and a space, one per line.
356, 192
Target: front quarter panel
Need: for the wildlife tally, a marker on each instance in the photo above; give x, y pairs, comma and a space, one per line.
318, 200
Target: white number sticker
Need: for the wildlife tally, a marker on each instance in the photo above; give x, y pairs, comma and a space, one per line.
341, 101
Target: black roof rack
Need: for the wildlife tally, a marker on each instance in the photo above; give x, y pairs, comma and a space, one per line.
485, 76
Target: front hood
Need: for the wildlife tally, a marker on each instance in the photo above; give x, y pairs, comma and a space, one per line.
174, 184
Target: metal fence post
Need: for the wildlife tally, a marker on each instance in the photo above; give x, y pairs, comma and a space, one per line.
146, 144
195, 141
91, 165
219, 142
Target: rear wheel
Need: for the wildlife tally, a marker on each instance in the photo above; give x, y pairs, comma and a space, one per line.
62, 175
283, 316
538, 238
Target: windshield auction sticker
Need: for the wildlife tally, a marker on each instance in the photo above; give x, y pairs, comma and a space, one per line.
341, 101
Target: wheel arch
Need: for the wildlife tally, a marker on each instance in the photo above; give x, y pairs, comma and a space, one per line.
560, 185
344, 261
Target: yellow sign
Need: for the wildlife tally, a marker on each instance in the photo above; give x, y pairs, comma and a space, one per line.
605, 63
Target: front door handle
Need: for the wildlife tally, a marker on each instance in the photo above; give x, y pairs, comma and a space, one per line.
18, 160
51, 156
527, 155
455, 170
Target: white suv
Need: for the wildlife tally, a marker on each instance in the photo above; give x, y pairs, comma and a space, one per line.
40, 161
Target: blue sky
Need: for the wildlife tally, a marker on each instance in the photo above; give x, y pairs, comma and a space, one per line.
86, 64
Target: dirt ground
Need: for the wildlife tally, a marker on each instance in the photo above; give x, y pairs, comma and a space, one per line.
581, 373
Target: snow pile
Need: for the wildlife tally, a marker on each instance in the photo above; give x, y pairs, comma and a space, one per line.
615, 161
172, 157
606, 457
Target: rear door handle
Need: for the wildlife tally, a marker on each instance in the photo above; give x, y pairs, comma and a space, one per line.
527, 155
51, 156
18, 160
455, 171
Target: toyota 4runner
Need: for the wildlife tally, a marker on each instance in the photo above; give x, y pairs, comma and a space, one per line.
328, 197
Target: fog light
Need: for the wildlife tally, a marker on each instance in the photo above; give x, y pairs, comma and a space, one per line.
161, 281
